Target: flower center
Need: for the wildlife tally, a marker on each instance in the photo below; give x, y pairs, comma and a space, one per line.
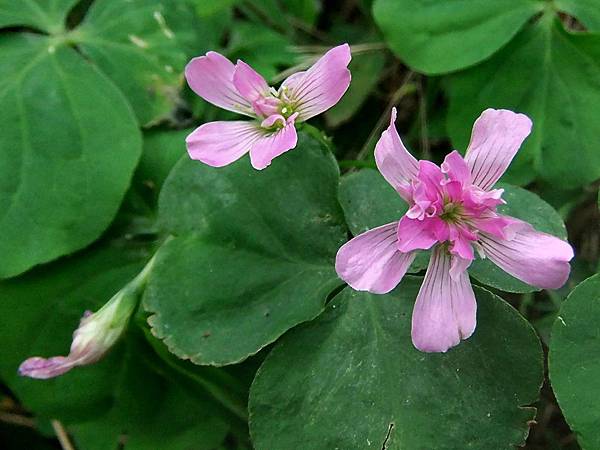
452, 212
286, 107
286, 111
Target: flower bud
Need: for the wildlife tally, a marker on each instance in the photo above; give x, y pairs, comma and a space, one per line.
96, 333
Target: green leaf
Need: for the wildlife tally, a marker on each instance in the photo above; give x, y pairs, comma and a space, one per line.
366, 71
352, 380
136, 46
228, 387
573, 363
552, 76
239, 302
254, 253
206, 8
526, 206
121, 394
68, 147
306, 11
153, 413
45, 15
286, 14
440, 37
204, 26
162, 150
586, 11
369, 201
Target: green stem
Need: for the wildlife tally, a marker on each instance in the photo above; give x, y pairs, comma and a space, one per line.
526, 301
555, 299
138, 284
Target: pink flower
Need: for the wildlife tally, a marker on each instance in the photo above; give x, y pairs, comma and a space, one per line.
240, 89
452, 210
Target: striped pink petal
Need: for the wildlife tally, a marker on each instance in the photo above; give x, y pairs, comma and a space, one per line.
371, 261
44, 368
537, 258
220, 143
248, 82
270, 146
415, 234
211, 77
456, 168
394, 161
322, 85
497, 136
445, 311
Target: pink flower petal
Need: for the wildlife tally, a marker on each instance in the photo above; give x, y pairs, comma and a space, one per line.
456, 168
42, 368
415, 234
537, 258
495, 140
445, 310
248, 82
371, 261
454, 191
462, 248
211, 77
432, 178
477, 198
270, 146
394, 161
221, 143
322, 85
85, 349
496, 225
272, 119
461, 238
291, 82
458, 266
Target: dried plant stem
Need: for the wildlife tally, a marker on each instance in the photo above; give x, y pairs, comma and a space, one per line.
61, 434
305, 64
310, 54
249, 8
17, 419
356, 49
405, 88
425, 150
310, 30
